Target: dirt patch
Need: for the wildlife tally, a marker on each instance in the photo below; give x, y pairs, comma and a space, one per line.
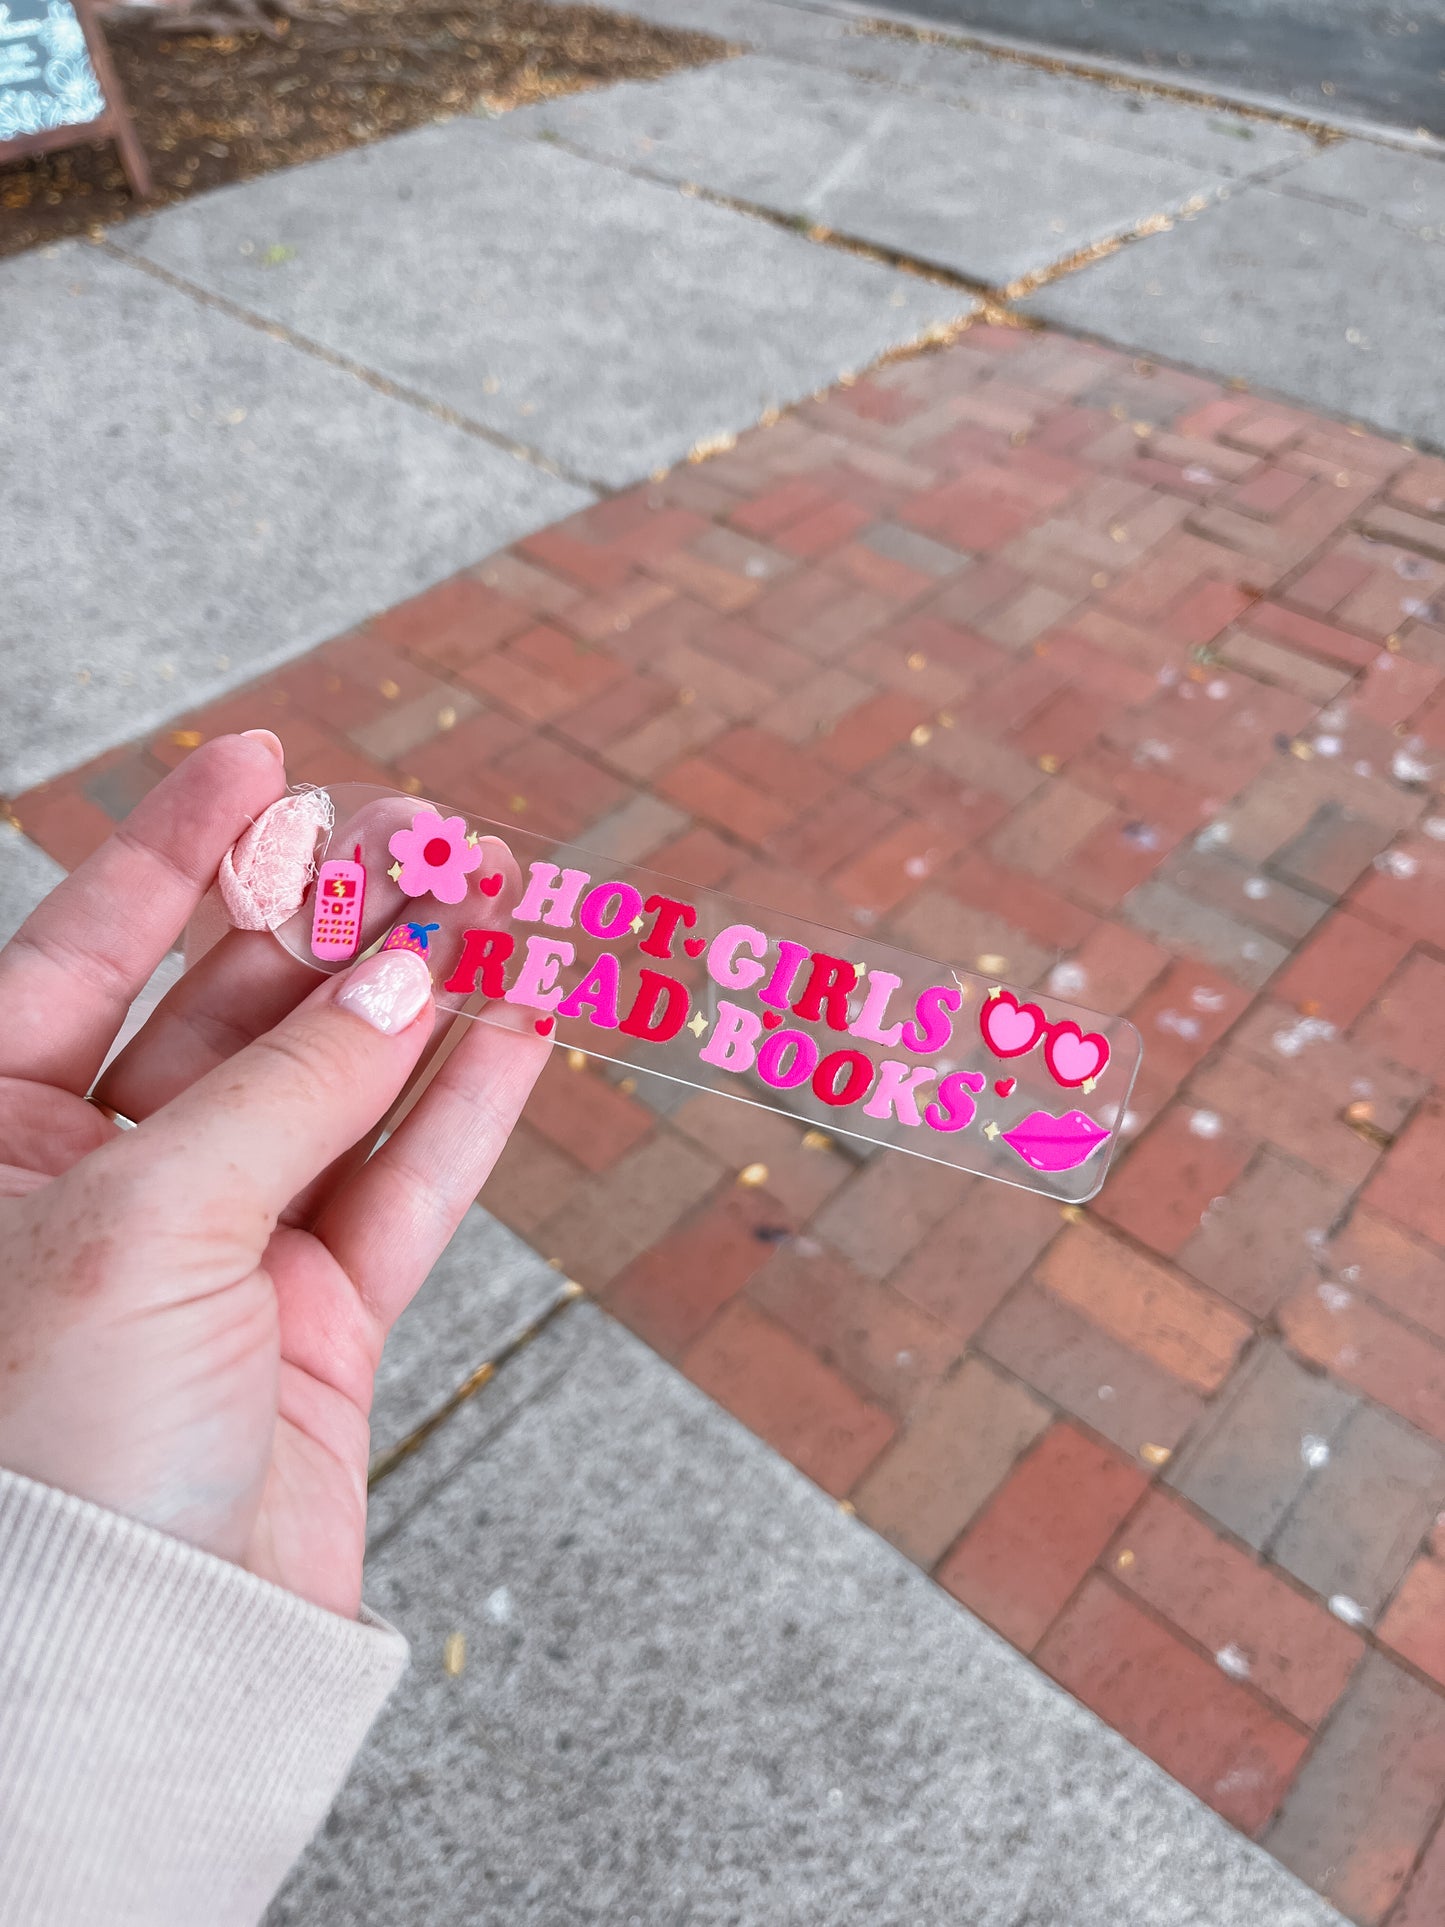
211, 110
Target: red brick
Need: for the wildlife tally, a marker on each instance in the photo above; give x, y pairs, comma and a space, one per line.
1375, 1256
792, 776
528, 1179
775, 1385
1327, 582
968, 513
669, 1292
1254, 1246
732, 804
1297, 1654
1271, 1104
1414, 1624
959, 1446
1266, 492
699, 857
1179, 1708
825, 528
801, 1172
886, 1347
892, 868
1357, 1342
1007, 700
827, 836
611, 613
566, 554
877, 1219
617, 712
1077, 1365
870, 570
604, 1222
1357, 1816
1167, 1180
1040, 912
1113, 859
1026, 1553
1118, 966
1393, 688
585, 1115
65, 823
1414, 903
1064, 724
558, 789
453, 623
1109, 675
869, 730
1408, 1021
1315, 638
1041, 834
963, 1268
1407, 1185
721, 589
755, 654
1423, 1901
767, 513
1204, 613
1340, 968
1186, 1331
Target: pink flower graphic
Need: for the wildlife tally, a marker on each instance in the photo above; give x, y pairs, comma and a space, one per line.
434, 856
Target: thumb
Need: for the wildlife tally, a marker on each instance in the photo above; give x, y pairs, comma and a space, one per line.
264, 1123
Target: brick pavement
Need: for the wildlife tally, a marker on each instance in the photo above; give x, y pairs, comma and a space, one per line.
1023, 649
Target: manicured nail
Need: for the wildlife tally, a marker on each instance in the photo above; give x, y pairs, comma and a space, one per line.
387, 991
270, 739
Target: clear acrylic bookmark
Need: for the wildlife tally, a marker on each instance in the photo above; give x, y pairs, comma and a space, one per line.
840, 1032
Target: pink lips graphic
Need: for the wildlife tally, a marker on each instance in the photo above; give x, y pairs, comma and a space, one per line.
1052, 1143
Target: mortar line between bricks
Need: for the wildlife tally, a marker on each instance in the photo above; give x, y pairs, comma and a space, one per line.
1425, 1846
383, 384
475, 1381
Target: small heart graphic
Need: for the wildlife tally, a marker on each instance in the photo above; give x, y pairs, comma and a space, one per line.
489, 886
543, 1026
1009, 1027
694, 946
771, 1019
1005, 1086
1072, 1057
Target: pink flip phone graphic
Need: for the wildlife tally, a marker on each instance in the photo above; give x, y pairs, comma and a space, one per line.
336, 920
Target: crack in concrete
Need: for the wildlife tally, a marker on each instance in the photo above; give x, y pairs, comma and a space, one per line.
474, 1382
383, 384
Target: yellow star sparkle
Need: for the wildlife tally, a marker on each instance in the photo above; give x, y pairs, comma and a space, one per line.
473, 839
1088, 1083
698, 1025
636, 924
990, 1130
395, 873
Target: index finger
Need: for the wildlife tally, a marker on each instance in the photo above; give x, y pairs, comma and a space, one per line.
72, 969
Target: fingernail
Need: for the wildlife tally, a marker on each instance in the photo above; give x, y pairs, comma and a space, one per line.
388, 991
270, 739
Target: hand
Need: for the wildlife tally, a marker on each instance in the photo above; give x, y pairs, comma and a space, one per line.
191, 1313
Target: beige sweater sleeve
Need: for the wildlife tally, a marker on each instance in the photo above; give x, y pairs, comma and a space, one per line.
172, 1729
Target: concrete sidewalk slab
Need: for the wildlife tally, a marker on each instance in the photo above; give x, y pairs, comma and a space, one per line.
1317, 302
1405, 188
485, 1290
1003, 89
609, 323
187, 501
694, 1690
982, 197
